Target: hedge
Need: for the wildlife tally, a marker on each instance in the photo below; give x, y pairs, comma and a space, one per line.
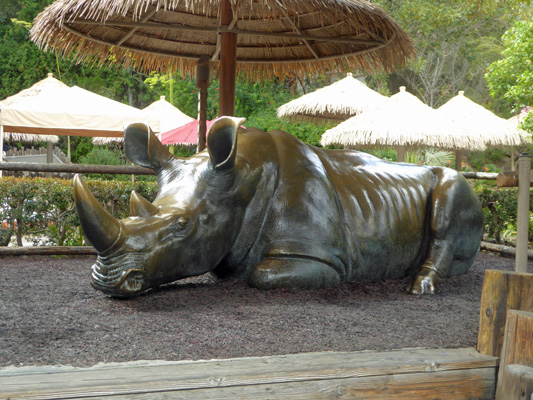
44, 208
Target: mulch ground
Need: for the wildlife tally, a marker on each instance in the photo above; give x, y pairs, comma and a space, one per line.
50, 315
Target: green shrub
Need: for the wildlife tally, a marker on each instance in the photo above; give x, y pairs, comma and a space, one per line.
45, 207
499, 209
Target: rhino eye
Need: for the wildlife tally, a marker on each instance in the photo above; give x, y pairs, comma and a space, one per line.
180, 224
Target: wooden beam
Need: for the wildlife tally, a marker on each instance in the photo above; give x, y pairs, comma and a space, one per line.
502, 249
47, 251
229, 29
76, 168
502, 290
517, 382
517, 349
489, 176
228, 63
132, 31
291, 22
406, 374
171, 54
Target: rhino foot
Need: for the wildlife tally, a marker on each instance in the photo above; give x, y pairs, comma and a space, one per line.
297, 273
425, 281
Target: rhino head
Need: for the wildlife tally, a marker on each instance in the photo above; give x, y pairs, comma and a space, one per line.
188, 228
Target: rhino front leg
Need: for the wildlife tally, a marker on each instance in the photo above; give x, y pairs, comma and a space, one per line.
298, 273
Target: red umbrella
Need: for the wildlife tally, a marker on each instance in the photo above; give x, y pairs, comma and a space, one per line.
185, 135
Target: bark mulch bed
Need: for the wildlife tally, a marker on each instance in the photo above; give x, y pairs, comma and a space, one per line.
50, 315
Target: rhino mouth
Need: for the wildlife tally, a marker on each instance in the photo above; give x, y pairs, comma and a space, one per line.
122, 283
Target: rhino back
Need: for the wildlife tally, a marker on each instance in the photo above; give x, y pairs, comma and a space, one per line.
384, 210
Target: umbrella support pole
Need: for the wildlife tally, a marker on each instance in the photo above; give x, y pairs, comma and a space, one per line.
202, 82
1, 147
400, 151
228, 63
459, 155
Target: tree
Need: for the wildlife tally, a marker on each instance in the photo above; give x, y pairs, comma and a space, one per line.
455, 41
511, 78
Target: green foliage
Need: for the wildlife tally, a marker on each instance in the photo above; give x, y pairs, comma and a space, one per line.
455, 41
499, 209
46, 206
512, 76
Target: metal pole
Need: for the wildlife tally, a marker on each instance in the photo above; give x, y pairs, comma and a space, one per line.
1, 147
522, 215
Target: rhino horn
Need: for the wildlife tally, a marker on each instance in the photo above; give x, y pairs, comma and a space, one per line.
140, 207
100, 227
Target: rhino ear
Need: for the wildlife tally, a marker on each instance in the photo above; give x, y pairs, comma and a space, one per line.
222, 142
143, 148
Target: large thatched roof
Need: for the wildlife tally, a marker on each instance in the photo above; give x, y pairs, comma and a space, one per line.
403, 120
334, 103
480, 122
274, 37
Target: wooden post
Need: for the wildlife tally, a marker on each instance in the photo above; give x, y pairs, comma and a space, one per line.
400, 151
502, 290
522, 216
202, 82
49, 156
517, 382
459, 155
517, 349
228, 64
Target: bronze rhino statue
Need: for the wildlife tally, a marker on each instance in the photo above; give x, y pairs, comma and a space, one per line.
265, 207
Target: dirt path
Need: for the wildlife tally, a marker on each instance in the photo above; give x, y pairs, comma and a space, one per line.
49, 314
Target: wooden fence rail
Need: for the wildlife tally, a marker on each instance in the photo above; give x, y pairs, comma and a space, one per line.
77, 168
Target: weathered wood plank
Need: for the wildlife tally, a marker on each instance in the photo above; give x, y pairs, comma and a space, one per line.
451, 385
502, 290
517, 382
517, 349
76, 168
246, 374
47, 251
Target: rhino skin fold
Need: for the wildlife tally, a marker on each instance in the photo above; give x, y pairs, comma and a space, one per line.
265, 207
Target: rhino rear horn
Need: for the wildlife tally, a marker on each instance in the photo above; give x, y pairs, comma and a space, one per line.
100, 227
222, 142
143, 148
140, 207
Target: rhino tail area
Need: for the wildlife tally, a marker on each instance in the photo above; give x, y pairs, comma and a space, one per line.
455, 227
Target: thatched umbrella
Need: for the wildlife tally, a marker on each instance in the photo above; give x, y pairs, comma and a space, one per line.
515, 122
255, 39
334, 103
479, 122
402, 121
169, 117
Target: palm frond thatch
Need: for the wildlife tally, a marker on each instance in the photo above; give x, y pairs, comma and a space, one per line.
334, 103
274, 37
478, 121
403, 120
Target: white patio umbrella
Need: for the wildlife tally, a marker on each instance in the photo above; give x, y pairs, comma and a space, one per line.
402, 121
334, 103
168, 117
